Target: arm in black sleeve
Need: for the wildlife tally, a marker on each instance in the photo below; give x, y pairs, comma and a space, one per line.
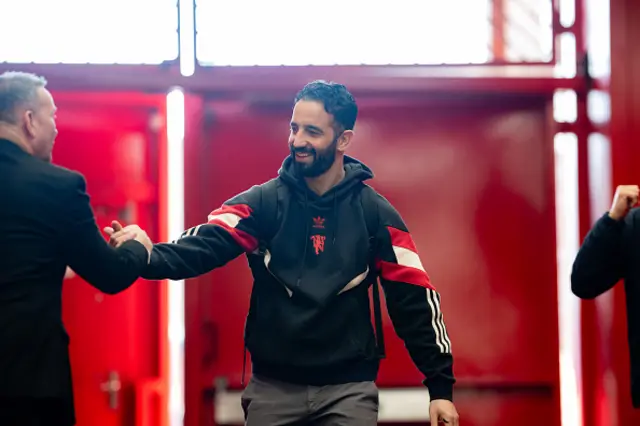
230, 231
413, 303
600, 262
87, 252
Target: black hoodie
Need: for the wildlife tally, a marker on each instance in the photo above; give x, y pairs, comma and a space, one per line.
309, 320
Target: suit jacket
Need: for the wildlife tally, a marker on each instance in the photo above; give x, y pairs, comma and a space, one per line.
47, 223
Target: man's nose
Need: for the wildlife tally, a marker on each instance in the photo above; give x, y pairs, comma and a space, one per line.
298, 142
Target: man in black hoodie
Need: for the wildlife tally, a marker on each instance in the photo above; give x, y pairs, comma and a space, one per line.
309, 330
609, 253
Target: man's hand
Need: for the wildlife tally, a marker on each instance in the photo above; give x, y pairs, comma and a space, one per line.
441, 410
119, 234
626, 197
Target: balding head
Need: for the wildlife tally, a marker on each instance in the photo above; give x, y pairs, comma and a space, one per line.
27, 113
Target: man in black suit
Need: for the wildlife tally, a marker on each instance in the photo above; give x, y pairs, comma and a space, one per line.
46, 224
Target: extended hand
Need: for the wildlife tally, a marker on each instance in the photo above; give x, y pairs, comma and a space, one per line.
443, 411
119, 234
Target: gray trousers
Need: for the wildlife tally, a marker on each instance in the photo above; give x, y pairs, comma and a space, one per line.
268, 402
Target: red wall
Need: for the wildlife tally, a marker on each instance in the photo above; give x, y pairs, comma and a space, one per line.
473, 179
625, 133
110, 140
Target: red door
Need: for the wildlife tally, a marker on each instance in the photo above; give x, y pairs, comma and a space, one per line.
116, 341
473, 179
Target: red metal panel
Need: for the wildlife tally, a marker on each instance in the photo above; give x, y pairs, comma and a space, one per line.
625, 131
113, 333
474, 182
196, 204
595, 338
497, 170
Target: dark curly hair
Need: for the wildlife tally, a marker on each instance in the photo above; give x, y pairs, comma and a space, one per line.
336, 99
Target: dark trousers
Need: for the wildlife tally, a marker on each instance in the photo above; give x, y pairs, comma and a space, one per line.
26, 411
268, 402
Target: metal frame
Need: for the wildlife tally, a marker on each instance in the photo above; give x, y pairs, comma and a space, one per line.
582, 128
495, 75
284, 81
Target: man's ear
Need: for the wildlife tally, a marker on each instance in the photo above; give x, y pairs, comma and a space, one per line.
29, 122
344, 140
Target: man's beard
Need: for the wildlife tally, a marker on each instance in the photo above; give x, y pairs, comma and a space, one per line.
322, 160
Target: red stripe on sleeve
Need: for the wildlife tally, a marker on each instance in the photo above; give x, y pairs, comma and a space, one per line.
228, 217
402, 239
393, 272
243, 211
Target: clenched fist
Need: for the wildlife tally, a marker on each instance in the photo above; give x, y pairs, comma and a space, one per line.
626, 197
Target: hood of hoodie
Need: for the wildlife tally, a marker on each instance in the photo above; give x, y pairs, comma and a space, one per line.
355, 173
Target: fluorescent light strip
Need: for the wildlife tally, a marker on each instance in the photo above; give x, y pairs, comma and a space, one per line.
175, 223
567, 243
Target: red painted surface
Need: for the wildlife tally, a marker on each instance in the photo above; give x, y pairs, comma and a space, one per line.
625, 131
196, 202
108, 139
473, 179
599, 397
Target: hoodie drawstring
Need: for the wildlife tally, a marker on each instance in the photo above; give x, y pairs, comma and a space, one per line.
334, 228
306, 238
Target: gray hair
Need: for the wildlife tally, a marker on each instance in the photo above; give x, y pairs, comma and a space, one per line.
18, 90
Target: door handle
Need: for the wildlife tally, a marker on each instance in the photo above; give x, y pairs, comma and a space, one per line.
112, 387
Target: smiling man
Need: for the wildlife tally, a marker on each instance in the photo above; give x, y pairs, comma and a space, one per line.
317, 237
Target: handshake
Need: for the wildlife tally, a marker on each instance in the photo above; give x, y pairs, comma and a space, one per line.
119, 234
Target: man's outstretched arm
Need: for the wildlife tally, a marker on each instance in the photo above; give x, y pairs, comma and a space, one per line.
85, 250
229, 231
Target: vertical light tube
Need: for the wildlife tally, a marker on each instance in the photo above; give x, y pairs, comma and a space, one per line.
175, 223
568, 242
